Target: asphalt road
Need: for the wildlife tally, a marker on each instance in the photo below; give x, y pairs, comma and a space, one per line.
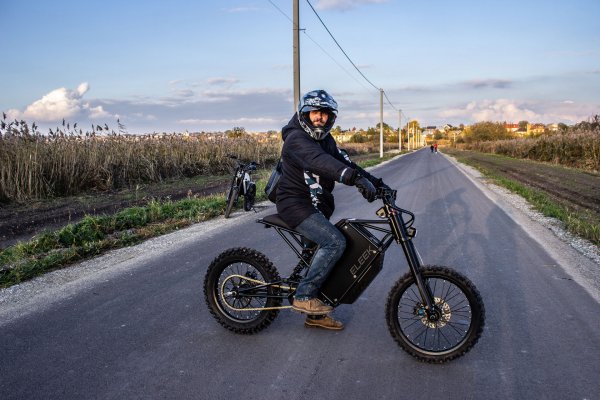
144, 332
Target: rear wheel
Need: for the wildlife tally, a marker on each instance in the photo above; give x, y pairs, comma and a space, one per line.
237, 290
447, 331
249, 196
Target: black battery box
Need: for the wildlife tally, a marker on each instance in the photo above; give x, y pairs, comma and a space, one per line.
355, 270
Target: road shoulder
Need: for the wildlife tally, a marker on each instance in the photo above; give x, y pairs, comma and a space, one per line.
579, 258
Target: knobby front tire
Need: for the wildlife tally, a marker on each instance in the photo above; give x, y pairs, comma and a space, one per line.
225, 289
461, 310
234, 192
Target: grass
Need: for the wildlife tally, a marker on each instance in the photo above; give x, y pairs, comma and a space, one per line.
577, 222
94, 235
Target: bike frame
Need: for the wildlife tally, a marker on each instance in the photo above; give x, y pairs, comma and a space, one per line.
241, 177
397, 229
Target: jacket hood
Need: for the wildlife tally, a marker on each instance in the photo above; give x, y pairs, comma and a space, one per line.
291, 126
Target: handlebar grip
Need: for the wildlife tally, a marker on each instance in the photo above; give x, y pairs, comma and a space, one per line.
386, 192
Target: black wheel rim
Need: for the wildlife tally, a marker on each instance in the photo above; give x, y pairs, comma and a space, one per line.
234, 293
442, 330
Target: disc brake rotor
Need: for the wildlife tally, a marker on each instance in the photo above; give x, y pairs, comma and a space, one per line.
444, 310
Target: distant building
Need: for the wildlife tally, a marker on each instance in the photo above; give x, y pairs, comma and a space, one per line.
429, 130
535, 129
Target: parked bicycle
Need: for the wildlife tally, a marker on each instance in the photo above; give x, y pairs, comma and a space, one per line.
241, 185
433, 312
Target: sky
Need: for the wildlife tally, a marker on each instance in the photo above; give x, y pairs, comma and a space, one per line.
176, 66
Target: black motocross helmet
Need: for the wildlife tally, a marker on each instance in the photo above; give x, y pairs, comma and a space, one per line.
313, 101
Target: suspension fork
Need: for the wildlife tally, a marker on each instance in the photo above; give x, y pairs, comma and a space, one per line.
405, 241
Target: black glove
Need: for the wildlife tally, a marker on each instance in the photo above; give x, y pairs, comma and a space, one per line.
380, 185
365, 187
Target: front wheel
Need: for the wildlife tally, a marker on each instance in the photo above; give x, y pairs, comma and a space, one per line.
232, 197
240, 292
447, 331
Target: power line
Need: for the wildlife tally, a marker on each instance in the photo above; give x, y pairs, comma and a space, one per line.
388, 100
319, 46
340, 47
279, 9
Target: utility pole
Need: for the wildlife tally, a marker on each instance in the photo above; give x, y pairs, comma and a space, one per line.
407, 134
296, 35
380, 123
400, 130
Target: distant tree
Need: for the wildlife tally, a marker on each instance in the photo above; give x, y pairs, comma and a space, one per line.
358, 138
486, 131
386, 127
236, 132
562, 127
523, 125
591, 124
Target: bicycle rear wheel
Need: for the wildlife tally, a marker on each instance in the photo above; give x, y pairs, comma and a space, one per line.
238, 290
249, 196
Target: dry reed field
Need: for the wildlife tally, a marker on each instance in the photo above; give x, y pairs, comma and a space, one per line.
577, 149
69, 162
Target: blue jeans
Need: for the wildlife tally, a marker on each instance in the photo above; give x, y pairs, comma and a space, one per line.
331, 244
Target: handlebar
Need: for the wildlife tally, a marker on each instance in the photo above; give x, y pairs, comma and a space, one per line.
250, 166
388, 196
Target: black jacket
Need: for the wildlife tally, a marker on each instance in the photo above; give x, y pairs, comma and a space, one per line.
310, 170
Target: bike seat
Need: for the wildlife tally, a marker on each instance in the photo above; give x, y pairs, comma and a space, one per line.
274, 220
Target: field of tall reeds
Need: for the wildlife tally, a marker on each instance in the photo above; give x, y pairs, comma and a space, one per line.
69, 161
577, 149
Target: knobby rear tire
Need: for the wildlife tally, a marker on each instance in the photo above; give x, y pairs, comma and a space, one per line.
248, 202
457, 331
246, 262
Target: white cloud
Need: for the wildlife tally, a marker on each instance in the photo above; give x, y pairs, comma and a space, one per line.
61, 103
58, 104
219, 81
343, 4
513, 111
491, 110
229, 121
95, 112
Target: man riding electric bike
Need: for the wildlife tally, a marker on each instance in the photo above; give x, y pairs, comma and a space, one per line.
312, 164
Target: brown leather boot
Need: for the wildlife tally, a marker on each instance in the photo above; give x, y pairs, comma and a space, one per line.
311, 307
326, 322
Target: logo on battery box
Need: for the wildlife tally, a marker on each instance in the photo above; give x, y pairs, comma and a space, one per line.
362, 260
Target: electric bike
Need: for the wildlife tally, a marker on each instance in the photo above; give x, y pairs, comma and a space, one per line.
241, 184
433, 312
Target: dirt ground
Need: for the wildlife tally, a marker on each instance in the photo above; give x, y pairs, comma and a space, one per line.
20, 222
571, 187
